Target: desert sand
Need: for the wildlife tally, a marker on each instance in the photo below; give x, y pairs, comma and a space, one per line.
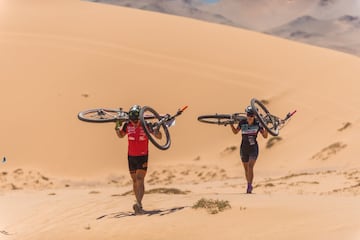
64, 178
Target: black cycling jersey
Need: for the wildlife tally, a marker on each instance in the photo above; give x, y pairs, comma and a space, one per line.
249, 149
249, 132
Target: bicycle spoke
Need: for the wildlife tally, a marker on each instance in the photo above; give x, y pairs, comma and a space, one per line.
267, 120
219, 119
102, 115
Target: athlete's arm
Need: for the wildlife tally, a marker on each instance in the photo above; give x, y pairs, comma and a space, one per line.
234, 130
121, 132
157, 134
264, 132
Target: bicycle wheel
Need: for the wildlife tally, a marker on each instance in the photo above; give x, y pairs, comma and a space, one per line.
102, 115
219, 119
265, 118
151, 121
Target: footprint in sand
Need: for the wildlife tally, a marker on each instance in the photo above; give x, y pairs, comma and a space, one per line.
19, 171
4, 232
171, 191
345, 126
329, 151
94, 192
272, 141
228, 150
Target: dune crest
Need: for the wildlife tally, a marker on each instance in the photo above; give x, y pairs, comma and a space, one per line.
324, 23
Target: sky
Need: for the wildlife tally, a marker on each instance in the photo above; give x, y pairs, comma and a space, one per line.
210, 1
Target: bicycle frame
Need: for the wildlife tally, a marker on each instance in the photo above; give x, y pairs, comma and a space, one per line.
161, 122
280, 123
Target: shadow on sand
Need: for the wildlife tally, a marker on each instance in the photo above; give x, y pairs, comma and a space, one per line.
159, 212
4, 232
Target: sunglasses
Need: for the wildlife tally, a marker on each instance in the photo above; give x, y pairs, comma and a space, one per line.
134, 116
250, 115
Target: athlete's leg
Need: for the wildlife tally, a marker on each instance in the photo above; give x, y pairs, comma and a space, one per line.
245, 160
251, 170
250, 175
139, 189
140, 185
244, 154
246, 170
138, 168
133, 177
253, 155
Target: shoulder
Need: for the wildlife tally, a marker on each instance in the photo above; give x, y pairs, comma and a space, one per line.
243, 121
257, 123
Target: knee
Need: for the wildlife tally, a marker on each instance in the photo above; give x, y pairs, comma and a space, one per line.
139, 178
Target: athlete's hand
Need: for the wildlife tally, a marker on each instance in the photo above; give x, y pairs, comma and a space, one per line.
156, 132
118, 124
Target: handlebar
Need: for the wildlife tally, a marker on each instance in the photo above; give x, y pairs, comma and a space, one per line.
170, 119
180, 111
289, 115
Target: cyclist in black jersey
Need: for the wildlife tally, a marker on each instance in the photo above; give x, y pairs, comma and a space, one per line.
249, 149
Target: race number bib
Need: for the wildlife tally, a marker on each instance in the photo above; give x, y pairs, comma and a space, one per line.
252, 140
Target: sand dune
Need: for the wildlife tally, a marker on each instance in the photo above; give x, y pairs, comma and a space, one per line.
64, 178
61, 65
275, 17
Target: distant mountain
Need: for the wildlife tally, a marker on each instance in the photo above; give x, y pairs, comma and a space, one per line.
186, 8
342, 34
331, 24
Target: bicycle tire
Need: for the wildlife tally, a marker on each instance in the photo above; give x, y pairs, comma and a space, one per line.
101, 115
145, 114
219, 119
264, 117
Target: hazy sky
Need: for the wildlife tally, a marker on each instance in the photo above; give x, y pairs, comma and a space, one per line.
210, 1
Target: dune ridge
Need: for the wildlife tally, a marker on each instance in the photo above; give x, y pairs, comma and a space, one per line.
328, 24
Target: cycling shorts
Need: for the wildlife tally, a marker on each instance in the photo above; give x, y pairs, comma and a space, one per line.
248, 153
137, 162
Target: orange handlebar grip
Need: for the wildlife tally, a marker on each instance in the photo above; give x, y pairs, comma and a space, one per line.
185, 107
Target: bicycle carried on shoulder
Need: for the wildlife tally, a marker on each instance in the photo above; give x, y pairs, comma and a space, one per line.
150, 120
270, 122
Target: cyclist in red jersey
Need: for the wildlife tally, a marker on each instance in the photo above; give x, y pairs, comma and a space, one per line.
138, 153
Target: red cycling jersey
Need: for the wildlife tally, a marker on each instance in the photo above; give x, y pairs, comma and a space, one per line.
138, 141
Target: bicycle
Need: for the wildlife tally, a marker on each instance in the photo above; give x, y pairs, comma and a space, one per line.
150, 120
270, 122
222, 119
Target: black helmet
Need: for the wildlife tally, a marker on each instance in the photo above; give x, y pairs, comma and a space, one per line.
249, 110
134, 112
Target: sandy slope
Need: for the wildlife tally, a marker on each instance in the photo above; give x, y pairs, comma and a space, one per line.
95, 213
61, 57
54, 67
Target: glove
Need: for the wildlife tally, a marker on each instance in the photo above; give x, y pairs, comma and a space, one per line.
118, 124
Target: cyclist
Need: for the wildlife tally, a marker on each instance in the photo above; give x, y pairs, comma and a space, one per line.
137, 153
249, 149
